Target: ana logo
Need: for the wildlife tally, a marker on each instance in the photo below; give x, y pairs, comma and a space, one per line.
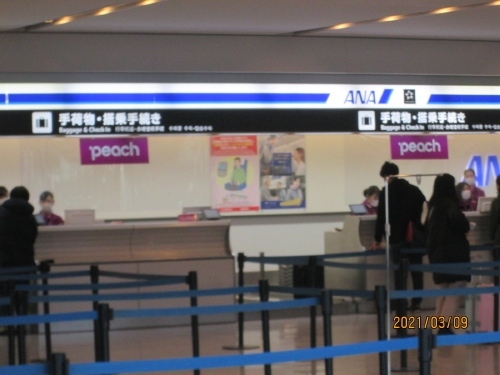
419, 147
484, 172
114, 151
367, 97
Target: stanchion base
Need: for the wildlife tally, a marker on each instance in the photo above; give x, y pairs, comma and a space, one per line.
405, 369
240, 348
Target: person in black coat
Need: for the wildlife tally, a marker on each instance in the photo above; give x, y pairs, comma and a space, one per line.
18, 230
495, 216
405, 209
447, 227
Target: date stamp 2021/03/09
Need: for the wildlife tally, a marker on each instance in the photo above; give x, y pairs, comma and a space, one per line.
432, 321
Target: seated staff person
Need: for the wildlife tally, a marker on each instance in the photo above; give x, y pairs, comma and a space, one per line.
46, 203
371, 199
464, 194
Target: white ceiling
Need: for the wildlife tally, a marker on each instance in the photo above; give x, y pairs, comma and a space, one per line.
261, 17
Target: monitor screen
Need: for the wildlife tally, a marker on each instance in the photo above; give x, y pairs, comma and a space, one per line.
484, 204
211, 214
79, 217
40, 220
195, 210
358, 209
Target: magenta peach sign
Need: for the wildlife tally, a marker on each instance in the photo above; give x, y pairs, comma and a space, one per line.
127, 150
419, 147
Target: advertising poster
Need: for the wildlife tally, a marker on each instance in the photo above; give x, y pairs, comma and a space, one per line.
234, 169
282, 159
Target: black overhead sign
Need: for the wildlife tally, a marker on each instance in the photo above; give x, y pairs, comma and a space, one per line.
208, 121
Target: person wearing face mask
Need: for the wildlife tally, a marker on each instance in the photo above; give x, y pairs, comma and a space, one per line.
4, 194
371, 199
475, 192
464, 194
46, 203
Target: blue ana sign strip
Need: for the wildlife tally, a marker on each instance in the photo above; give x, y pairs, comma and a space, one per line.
164, 98
443, 99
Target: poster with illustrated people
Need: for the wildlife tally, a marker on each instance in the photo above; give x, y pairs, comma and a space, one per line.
282, 161
234, 169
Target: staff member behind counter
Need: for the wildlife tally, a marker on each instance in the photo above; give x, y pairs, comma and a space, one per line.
46, 215
475, 192
371, 199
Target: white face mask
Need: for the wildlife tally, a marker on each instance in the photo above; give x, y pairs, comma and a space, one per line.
465, 194
374, 203
470, 181
47, 207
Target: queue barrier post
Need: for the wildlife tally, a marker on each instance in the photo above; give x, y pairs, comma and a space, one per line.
262, 269
11, 331
22, 309
94, 280
45, 269
326, 304
401, 310
241, 315
193, 285
496, 282
241, 283
58, 364
381, 305
311, 265
104, 316
264, 297
426, 343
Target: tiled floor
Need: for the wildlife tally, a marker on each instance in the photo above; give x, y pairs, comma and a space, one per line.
286, 334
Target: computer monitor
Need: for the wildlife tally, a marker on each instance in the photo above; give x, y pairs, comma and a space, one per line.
196, 210
40, 220
211, 214
79, 217
358, 209
484, 204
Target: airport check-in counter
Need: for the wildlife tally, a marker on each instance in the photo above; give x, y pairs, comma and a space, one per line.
167, 248
357, 235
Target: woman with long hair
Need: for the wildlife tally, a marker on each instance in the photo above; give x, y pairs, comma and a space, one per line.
447, 242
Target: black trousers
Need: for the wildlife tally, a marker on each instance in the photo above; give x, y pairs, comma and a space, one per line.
417, 277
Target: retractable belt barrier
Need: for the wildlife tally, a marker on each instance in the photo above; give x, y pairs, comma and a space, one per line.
212, 362
15, 279
52, 275
354, 266
423, 250
17, 270
400, 294
298, 355
100, 286
143, 296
